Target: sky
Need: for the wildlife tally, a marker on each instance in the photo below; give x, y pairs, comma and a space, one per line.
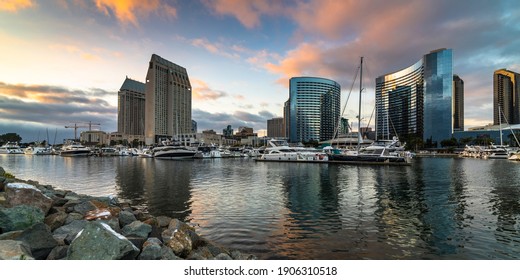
62, 62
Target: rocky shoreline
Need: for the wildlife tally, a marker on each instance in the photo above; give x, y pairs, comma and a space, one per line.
43, 223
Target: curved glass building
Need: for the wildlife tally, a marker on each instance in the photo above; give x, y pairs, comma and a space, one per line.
313, 108
416, 102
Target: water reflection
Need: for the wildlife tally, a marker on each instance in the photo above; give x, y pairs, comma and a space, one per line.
163, 186
438, 208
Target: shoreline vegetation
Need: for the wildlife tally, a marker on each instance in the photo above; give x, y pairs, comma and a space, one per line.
38, 222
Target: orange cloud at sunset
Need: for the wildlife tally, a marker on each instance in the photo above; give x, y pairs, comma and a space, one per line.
202, 91
15, 5
126, 11
306, 56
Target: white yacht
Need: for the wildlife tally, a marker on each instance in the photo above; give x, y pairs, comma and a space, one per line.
279, 150
381, 151
170, 150
208, 152
10, 148
37, 151
75, 150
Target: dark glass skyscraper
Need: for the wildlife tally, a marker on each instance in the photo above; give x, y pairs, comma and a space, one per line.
314, 109
416, 102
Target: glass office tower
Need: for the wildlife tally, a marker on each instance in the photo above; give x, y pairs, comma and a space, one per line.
416, 102
314, 109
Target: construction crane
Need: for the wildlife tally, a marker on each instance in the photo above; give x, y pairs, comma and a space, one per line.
76, 126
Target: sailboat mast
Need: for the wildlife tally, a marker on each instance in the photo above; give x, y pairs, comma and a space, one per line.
360, 90
500, 124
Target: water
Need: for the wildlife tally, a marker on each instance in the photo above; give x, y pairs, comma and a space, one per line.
438, 208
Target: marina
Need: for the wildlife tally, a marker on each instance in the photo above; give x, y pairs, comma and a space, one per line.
435, 208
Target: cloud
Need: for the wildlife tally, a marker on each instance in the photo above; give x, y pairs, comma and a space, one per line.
248, 13
217, 48
127, 12
201, 91
80, 52
44, 105
15, 5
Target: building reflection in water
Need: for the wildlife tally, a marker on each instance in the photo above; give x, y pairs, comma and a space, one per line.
163, 186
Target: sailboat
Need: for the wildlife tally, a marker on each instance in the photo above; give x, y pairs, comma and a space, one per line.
499, 151
379, 152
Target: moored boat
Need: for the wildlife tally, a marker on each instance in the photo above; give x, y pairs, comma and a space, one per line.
10, 148
37, 151
279, 150
170, 150
75, 150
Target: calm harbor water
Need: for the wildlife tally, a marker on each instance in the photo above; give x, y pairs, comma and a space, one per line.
438, 208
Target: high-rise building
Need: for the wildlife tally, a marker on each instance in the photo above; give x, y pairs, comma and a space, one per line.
458, 103
168, 100
193, 126
275, 128
228, 132
131, 108
286, 118
506, 94
314, 109
416, 102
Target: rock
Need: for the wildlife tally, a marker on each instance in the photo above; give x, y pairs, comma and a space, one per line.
142, 216
84, 207
58, 253
163, 221
56, 220
201, 253
70, 230
97, 241
19, 217
125, 218
178, 241
151, 250
2, 172
11, 235
25, 194
14, 250
223, 256
114, 224
137, 228
73, 217
39, 240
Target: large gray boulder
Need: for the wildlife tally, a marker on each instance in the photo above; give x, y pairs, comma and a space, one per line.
39, 240
126, 218
70, 230
19, 217
14, 250
97, 241
25, 194
137, 228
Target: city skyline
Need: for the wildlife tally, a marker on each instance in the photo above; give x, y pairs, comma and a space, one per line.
63, 61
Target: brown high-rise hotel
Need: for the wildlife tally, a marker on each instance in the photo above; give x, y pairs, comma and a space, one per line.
168, 101
506, 94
